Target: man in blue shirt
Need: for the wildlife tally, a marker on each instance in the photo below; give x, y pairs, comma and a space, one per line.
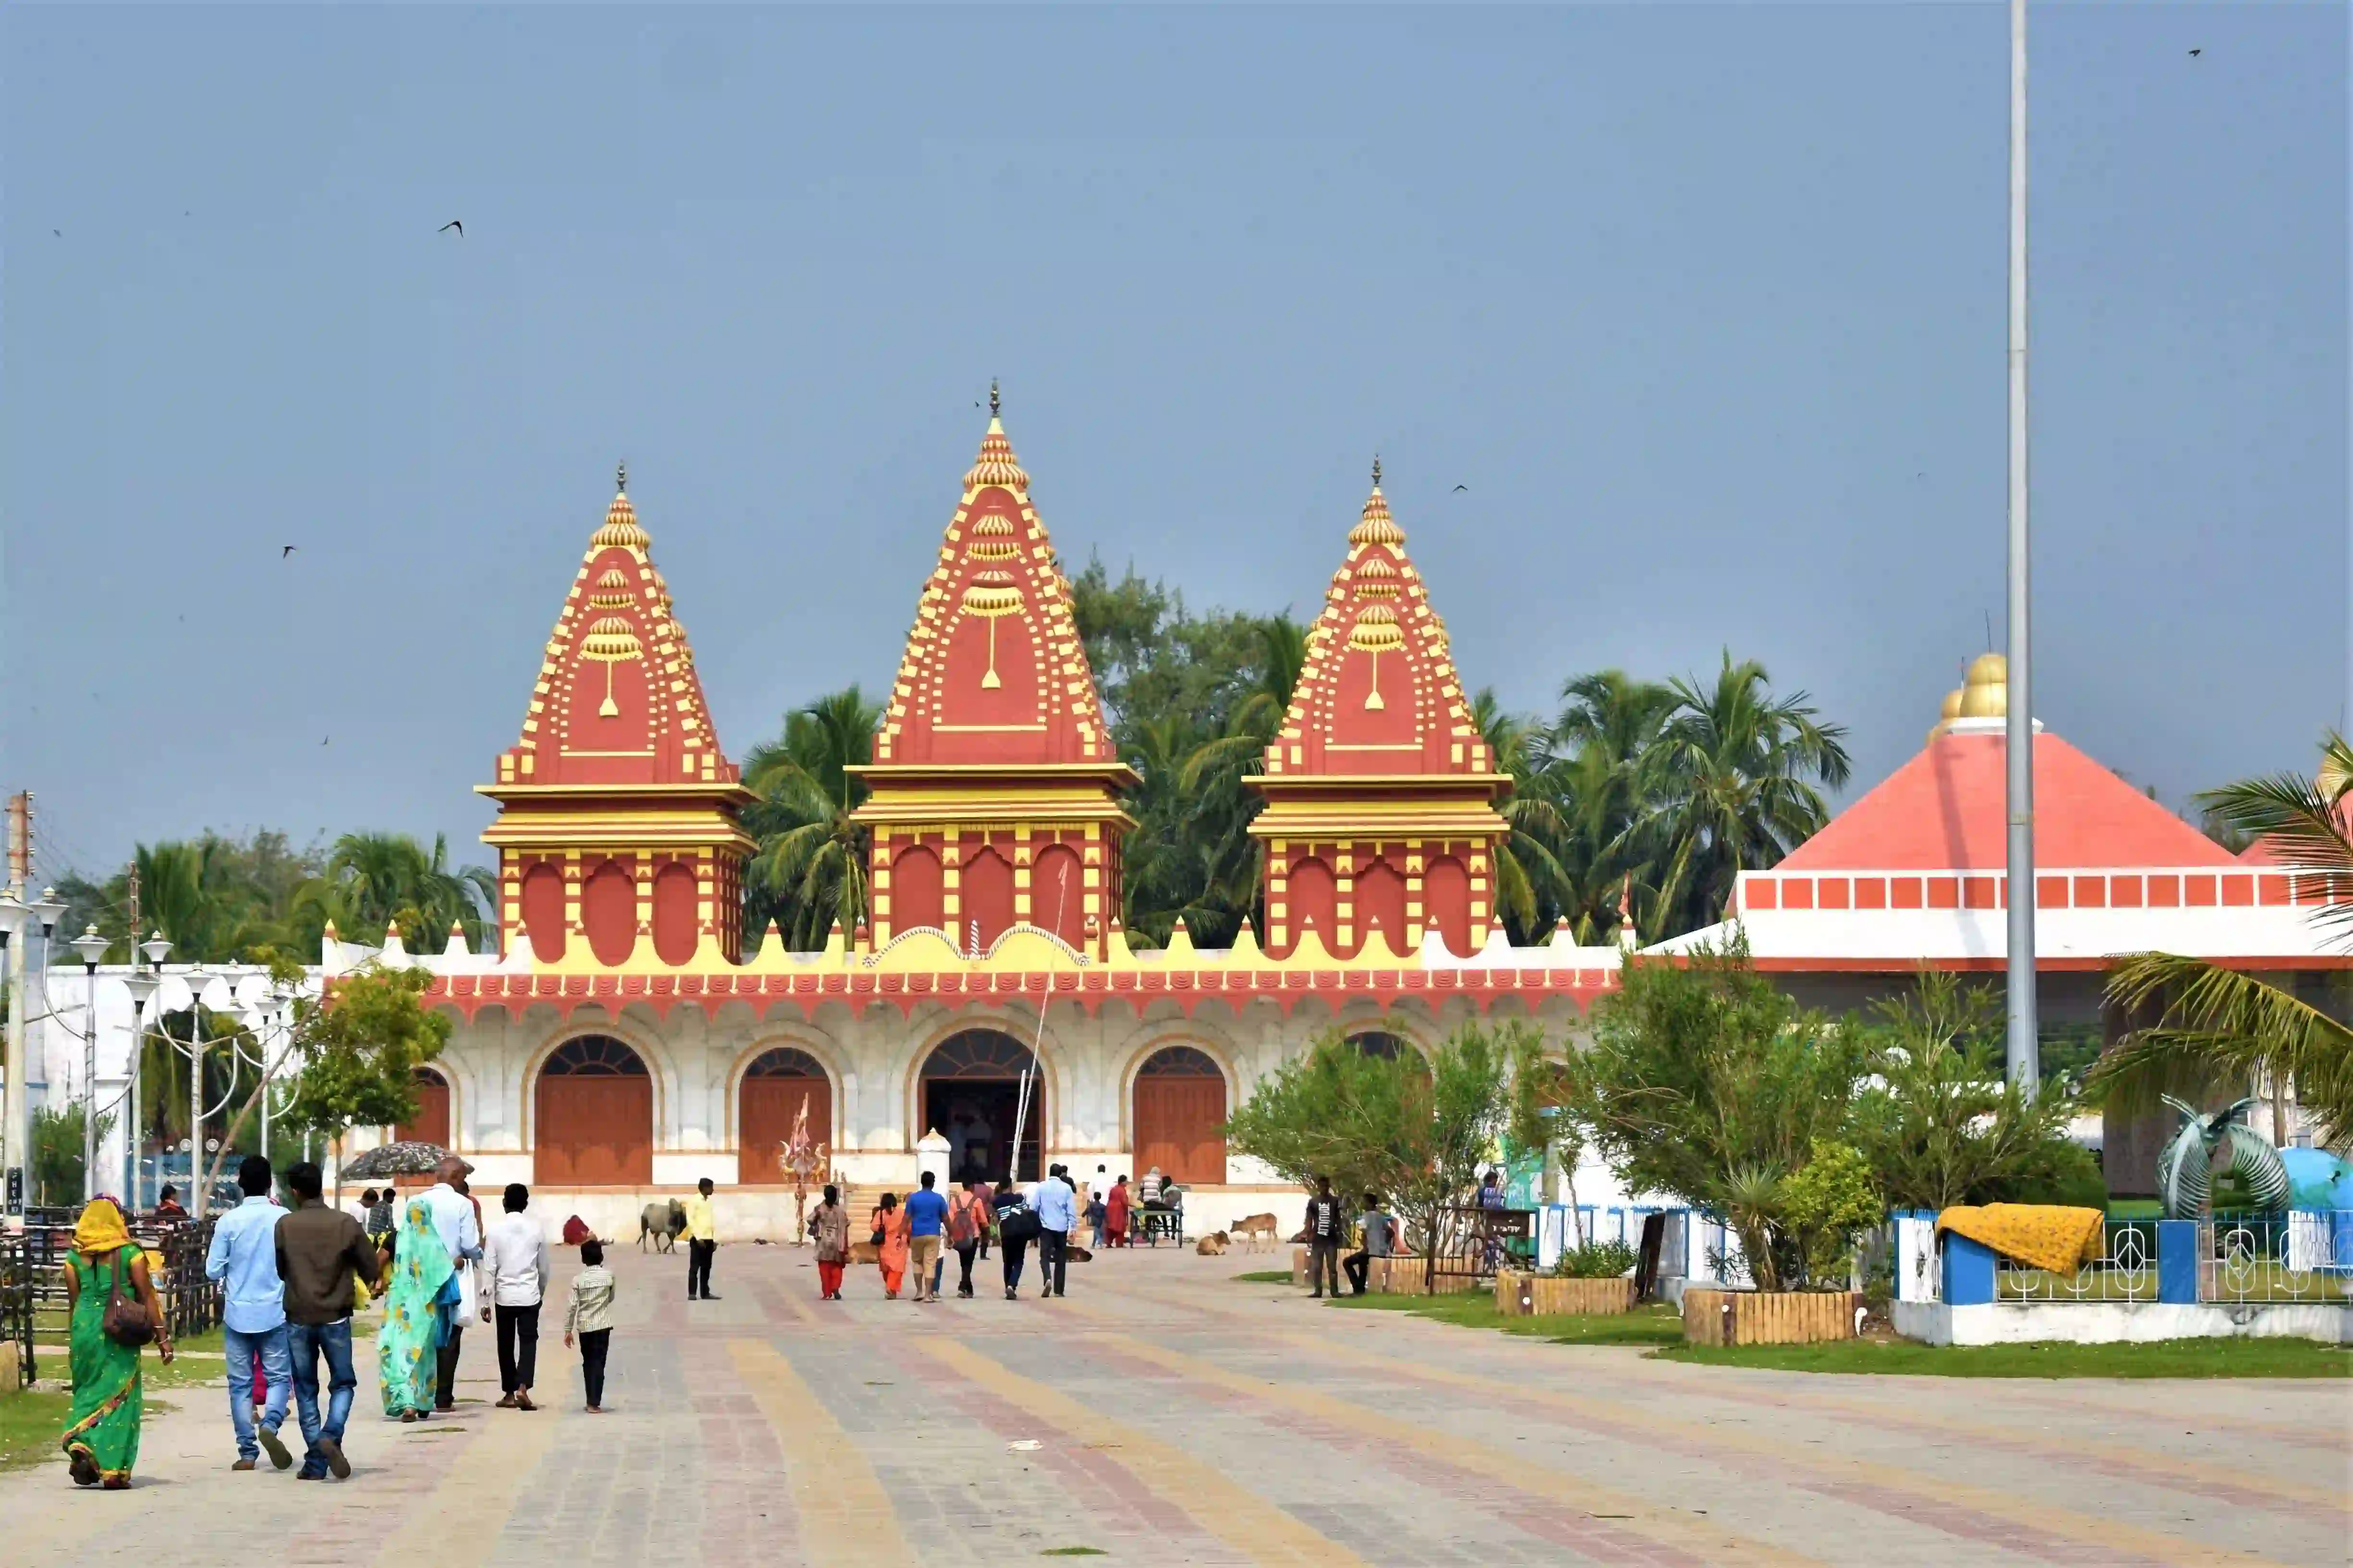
927, 1213
244, 1255
1056, 1203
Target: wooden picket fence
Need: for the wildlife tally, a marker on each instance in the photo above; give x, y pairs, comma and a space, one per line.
1767, 1317
1519, 1295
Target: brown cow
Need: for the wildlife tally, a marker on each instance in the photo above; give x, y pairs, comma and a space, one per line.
1253, 1227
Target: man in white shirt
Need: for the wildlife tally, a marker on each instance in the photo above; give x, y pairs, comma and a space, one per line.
514, 1257
460, 1229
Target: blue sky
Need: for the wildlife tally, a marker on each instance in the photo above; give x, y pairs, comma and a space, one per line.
1705, 305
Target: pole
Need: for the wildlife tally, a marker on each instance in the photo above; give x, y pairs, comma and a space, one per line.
18, 1138
2023, 1053
198, 1199
1021, 1101
131, 1105
90, 1087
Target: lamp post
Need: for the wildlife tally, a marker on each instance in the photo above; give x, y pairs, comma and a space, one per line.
45, 910
2023, 1051
90, 948
14, 917
195, 980
142, 984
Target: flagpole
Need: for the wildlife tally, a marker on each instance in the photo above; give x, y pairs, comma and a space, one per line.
2023, 1055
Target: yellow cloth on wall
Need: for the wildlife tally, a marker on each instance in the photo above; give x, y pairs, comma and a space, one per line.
2041, 1236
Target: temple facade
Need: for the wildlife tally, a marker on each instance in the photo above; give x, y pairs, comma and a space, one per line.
628, 1034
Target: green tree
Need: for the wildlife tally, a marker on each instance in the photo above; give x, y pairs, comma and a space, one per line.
1417, 1131
371, 879
57, 1166
1940, 1124
809, 869
2219, 1031
1706, 1081
1730, 787
361, 1053
1826, 1206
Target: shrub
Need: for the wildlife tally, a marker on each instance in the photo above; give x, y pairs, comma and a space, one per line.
1595, 1260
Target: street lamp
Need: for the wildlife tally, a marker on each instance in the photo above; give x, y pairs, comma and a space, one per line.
90, 948
15, 916
142, 984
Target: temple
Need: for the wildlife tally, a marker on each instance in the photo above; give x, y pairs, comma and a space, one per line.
627, 1035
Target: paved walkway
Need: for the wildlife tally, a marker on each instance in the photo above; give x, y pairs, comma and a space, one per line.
1164, 1413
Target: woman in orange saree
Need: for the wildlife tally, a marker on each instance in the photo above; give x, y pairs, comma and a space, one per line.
891, 1243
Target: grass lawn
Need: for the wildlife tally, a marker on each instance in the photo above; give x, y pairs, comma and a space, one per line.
31, 1424
1265, 1276
2166, 1358
1653, 1325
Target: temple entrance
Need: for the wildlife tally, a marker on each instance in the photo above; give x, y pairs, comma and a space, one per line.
776, 1089
969, 1091
1180, 1103
596, 1121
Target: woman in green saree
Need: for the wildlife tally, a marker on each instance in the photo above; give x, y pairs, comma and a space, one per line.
102, 1442
416, 1322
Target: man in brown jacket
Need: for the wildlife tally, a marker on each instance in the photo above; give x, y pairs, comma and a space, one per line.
829, 1228
319, 1251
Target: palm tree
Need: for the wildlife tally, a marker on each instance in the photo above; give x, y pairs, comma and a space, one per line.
1593, 781
810, 870
1530, 881
375, 878
2217, 1028
1732, 788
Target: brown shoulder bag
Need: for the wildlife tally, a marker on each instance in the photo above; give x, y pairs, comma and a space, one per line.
126, 1321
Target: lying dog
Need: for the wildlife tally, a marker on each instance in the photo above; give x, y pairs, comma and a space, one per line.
1212, 1245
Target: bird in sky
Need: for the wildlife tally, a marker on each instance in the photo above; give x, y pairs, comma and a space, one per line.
2195, 53
59, 232
284, 550
1460, 487
323, 739
453, 223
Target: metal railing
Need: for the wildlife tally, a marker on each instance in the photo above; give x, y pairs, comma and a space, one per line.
2125, 1270
2276, 1257
16, 1304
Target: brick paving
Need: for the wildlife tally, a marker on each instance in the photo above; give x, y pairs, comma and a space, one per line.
1182, 1418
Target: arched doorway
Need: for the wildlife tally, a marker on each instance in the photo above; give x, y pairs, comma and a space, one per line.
595, 1117
431, 1123
1180, 1103
777, 1087
1380, 1043
969, 1090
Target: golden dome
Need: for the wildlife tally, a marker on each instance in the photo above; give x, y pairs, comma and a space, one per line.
1377, 579
1985, 694
1375, 526
996, 465
1376, 630
1952, 705
994, 527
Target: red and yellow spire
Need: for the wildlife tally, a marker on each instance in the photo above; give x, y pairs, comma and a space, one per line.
995, 767
617, 808
1380, 822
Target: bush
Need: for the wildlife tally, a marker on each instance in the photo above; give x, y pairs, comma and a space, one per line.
2061, 1173
1595, 1260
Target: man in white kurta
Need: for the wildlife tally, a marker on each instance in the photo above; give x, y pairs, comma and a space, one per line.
460, 1229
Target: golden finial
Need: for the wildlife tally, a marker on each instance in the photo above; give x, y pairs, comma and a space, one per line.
1377, 471
621, 478
996, 405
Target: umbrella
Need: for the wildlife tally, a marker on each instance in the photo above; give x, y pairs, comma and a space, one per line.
403, 1159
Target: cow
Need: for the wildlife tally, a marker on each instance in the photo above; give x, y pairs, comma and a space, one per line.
663, 1222
1254, 1226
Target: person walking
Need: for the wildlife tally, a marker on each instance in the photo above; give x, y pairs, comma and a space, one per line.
927, 1221
320, 1251
1326, 1230
589, 1319
1058, 1215
1116, 1211
829, 1229
702, 1240
243, 1255
889, 1238
101, 1438
457, 1222
417, 1312
986, 1196
967, 1222
1017, 1223
514, 1256
1380, 1228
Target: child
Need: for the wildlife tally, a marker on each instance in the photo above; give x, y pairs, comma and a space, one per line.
591, 1317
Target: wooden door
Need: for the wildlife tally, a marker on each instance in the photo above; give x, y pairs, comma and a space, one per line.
431, 1123
594, 1133
1176, 1123
764, 1121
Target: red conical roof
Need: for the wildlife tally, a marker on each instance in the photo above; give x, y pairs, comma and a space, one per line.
1378, 694
994, 673
617, 701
